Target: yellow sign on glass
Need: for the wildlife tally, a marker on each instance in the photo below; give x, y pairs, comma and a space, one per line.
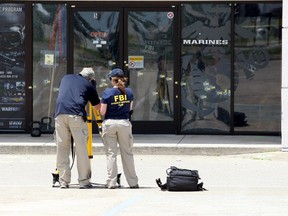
49, 59
136, 62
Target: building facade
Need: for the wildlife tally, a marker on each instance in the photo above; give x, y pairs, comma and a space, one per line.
195, 67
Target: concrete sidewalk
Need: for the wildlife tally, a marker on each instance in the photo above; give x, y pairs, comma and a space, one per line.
238, 181
237, 185
152, 144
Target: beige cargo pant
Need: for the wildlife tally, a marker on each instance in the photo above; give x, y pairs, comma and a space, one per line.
65, 127
119, 131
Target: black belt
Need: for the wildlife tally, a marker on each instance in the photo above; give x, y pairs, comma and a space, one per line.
117, 119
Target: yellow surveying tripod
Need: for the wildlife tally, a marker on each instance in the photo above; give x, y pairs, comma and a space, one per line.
90, 110
89, 123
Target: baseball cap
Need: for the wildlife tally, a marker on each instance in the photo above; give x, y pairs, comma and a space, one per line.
87, 72
117, 72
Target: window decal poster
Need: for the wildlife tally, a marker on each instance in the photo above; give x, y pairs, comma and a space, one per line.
136, 61
12, 79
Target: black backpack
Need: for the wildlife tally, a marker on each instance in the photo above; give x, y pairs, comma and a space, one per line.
181, 180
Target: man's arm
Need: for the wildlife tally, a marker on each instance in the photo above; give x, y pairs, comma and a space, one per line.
93, 82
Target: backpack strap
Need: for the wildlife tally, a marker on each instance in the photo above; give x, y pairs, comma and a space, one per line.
200, 187
162, 186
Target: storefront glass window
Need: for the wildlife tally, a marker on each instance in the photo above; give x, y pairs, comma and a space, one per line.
96, 43
151, 64
257, 73
205, 68
49, 59
12, 67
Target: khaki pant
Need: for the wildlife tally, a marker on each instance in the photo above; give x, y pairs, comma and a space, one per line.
119, 131
65, 127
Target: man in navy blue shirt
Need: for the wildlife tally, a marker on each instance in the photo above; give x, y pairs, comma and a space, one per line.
70, 120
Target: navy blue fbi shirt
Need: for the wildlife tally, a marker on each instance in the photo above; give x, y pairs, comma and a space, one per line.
74, 93
118, 103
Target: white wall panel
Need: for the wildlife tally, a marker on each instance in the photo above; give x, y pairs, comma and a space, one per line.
284, 107
285, 57
284, 92
285, 13
284, 119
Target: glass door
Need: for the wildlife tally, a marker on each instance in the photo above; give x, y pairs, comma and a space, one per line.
139, 41
96, 43
149, 60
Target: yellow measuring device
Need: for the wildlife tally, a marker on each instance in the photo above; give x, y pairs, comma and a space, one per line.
89, 123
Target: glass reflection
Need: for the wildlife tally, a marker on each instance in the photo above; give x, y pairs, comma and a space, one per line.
257, 67
205, 78
49, 59
96, 43
151, 64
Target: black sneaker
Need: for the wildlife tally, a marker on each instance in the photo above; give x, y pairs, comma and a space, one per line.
88, 186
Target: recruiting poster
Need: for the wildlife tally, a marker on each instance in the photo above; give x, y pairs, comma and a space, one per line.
12, 79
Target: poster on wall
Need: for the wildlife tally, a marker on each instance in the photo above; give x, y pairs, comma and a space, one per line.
12, 64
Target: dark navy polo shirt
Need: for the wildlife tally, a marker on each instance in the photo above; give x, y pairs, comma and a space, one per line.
74, 93
118, 104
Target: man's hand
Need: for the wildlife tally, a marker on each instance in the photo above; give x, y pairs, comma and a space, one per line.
97, 107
